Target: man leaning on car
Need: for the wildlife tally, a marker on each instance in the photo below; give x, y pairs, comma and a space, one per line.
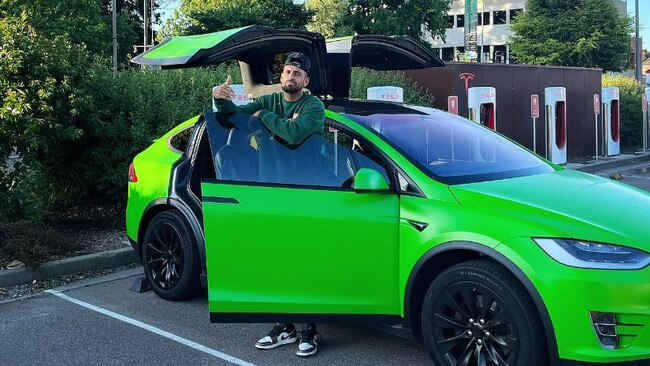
292, 115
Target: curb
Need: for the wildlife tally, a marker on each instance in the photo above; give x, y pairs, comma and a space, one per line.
83, 263
614, 163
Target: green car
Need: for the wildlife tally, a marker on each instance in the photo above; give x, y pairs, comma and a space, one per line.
424, 225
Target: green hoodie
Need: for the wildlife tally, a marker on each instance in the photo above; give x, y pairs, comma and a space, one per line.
292, 121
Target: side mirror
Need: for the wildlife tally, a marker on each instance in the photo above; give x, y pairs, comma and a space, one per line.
370, 180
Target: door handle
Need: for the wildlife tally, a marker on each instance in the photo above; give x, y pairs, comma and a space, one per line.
229, 200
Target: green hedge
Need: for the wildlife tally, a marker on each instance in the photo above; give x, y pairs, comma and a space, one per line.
630, 92
362, 79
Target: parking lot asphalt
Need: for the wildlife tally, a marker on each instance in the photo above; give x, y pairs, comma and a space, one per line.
101, 322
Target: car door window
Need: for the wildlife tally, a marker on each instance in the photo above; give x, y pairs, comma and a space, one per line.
348, 154
246, 151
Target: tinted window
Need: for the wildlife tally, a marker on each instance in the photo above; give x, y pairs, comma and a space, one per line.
484, 18
179, 141
500, 17
514, 13
460, 20
246, 151
450, 21
452, 149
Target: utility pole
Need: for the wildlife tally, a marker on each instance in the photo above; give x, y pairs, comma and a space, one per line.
152, 20
114, 37
637, 51
146, 19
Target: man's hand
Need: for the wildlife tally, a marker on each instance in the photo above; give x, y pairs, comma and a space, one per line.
256, 113
224, 91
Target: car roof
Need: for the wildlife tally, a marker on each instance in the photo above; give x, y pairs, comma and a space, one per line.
367, 107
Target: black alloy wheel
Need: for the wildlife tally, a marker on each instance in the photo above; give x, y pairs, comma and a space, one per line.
476, 313
170, 257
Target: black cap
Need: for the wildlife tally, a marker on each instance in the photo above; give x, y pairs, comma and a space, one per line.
299, 59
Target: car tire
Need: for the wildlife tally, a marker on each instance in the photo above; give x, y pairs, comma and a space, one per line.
477, 313
170, 257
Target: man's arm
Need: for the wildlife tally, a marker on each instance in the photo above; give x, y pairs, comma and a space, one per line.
310, 121
223, 95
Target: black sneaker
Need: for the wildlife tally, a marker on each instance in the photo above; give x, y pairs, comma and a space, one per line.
278, 336
308, 342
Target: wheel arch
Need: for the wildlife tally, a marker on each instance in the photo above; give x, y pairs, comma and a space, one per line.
163, 204
443, 256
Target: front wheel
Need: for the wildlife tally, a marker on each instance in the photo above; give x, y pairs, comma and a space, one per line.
477, 313
170, 257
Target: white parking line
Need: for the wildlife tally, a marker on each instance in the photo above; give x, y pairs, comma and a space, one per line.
152, 329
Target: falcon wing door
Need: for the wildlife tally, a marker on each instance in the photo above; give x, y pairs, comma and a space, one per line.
374, 52
254, 45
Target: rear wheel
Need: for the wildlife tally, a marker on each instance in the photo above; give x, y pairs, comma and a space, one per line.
170, 257
477, 313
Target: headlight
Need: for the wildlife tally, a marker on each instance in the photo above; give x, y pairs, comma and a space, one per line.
584, 254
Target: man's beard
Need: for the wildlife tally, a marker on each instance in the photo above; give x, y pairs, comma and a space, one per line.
291, 89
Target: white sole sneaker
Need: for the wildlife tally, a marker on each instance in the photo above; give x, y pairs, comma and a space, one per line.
278, 344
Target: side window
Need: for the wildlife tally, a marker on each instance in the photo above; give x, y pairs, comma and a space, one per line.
246, 151
347, 155
179, 141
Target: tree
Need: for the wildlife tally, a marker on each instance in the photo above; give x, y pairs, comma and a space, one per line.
415, 18
583, 33
330, 18
39, 102
204, 16
83, 22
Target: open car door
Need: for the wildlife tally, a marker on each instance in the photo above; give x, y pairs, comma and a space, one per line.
255, 46
374, 52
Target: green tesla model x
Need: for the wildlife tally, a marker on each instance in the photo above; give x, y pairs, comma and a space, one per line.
425, 225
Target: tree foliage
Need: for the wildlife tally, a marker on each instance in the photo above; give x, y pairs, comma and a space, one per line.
330, 18
84, 22
415, 18
204, 16
39, 100
583, 33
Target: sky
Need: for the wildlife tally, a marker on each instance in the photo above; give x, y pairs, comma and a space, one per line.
644, 16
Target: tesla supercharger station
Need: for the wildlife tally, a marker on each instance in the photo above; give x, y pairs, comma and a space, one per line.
556, 137
482, 104
386, 93
611, 121
240, 96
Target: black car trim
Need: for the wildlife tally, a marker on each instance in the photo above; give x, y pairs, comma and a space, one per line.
136, 248
504, 261
209, 199
303, 318
277, 185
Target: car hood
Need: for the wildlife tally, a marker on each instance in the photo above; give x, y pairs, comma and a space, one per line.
577, 204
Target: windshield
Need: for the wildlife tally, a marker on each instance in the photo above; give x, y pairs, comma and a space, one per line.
451, 149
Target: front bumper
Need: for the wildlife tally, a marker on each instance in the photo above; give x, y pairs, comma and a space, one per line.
570, 294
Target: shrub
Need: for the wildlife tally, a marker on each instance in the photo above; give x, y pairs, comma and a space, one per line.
630, 92
126, 113
39, 99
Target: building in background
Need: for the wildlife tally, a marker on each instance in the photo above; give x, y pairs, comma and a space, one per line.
494, 28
